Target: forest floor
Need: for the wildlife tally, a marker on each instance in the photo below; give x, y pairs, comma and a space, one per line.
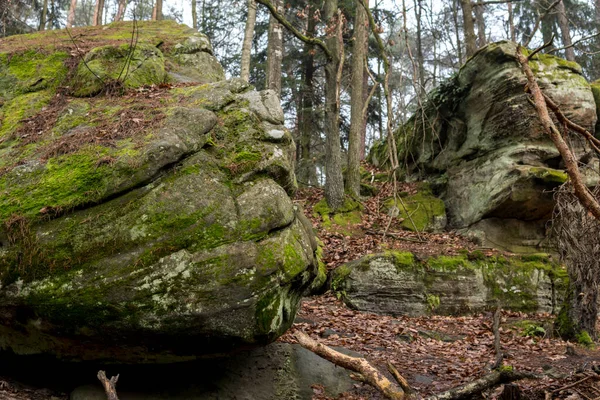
434, 353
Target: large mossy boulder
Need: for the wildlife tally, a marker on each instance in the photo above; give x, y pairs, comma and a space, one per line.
155, 226
479, 141
399, 283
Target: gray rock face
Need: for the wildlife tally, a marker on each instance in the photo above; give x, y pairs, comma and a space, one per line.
276, 372
483, 147
395, 283
178, 239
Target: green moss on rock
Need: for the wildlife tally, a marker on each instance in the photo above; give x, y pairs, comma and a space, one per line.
102, 66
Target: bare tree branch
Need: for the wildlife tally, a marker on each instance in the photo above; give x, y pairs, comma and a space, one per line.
539, 20
294, 31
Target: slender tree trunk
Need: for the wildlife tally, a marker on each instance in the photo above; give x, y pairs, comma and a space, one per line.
468, 27
480, 18
597, 7
195, 14
511, 22
420, 58
71, 16
547, 24
121, 10
98, 13
275, 51
247, 45
334, 181
306, 166
44, 16
357, 100
457, 32
563, 22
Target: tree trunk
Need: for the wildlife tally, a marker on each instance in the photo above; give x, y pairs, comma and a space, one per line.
457, 32
157, 14
306, 166
511, 22
468, 27
357, 100
420, 58
563, 22
121, 10
44, 16
597, 7
195, 14
479, 16
547, 24
71, 16
334, 181
275, 51
98, 13
247, 45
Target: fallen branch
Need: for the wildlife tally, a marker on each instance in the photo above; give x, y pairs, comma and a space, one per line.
504, 375
110, 385
370, 374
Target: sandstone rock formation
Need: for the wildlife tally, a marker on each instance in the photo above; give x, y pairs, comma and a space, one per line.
479, 142
398, 283
150, 226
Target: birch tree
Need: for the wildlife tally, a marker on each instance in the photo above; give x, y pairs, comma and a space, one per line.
247, 45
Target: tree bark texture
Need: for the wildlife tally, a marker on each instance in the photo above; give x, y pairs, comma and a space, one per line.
468, 27
195, 14
121, 10
511, 22
44, 15
306, 166
563, 23
547, 23
157, 14
334, 181
247, 45
457, 31
98, 13
71, 16
420, 58
275, 50
597, 8
480, 18
357, 101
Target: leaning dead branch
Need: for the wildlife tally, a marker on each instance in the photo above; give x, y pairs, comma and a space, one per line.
110, 385
581, 190
593, 142
402, 390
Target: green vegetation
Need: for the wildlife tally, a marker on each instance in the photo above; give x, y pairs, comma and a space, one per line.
584, 339
421, 211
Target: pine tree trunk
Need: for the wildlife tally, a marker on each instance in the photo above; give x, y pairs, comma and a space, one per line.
195, 14
44, 16
157, 14
468, 27
457, 32
420, 58
547, 24
121, 10
563, 22
71, 16
357, 100
247, 45
306, 166
275, 51
334, 181
511, 22
481, 39
98, 13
